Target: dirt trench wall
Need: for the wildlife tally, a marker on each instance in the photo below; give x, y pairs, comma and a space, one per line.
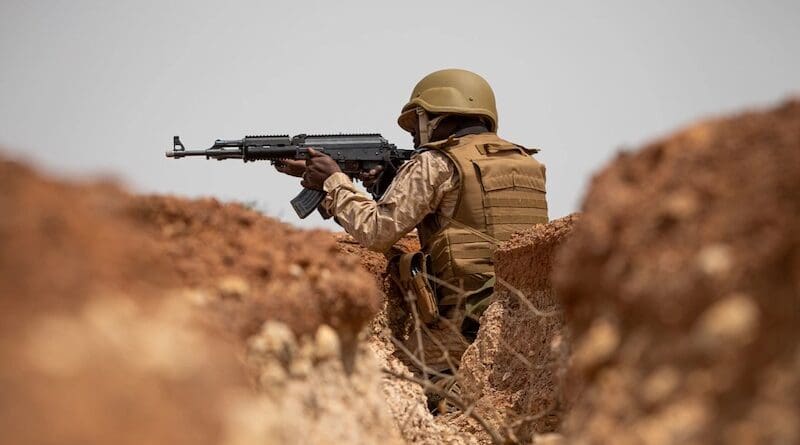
513, 371
681, 285
131, 320
405, 400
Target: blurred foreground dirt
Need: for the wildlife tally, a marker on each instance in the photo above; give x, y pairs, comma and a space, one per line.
673, 319
682, 289
128, 319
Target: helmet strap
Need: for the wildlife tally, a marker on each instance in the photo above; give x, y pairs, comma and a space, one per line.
426, 125
424, 130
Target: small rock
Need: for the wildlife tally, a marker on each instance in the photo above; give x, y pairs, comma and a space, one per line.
295, 270
557, 343
301, 365
194, 296
731, 321
327, 344
660, 385
682, 205
548, 439
233, 287
598, 345
274, 340
272, 376
715, 260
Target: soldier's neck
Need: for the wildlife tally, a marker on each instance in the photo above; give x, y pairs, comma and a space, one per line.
458, 127
474, 129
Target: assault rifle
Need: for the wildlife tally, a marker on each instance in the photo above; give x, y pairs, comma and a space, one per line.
355, 153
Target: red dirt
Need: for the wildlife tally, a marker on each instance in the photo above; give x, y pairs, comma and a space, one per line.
292, 276
682, 288
65, 233
110, 308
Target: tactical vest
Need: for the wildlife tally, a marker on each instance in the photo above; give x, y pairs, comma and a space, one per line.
502, 191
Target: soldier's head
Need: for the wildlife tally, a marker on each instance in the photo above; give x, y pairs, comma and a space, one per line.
446, 100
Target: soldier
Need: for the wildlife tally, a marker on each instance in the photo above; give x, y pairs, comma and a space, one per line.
464, 191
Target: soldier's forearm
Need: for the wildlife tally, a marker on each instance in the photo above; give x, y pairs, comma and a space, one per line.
372, 224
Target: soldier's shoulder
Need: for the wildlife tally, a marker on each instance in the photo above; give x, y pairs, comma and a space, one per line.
429, 162
432, 157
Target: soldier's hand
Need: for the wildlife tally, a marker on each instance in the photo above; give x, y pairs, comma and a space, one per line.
371, 177
291, 167
318, 168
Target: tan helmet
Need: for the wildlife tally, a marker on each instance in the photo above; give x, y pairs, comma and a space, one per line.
451, 91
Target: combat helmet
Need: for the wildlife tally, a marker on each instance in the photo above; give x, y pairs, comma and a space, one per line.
450, 91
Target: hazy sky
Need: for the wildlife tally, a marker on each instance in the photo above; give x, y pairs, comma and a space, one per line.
101, 87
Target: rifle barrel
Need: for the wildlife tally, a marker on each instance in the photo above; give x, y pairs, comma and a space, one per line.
211, 153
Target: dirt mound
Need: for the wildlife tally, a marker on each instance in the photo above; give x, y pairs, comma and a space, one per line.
92, 350
681, 285
115, 310
278, 272
512, 372
68, 233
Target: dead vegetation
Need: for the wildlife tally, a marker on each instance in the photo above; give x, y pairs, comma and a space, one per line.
127, 319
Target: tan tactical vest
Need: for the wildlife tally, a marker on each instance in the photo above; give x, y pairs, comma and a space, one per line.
502, 191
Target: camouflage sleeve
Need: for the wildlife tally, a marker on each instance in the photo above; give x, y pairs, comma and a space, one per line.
416, 191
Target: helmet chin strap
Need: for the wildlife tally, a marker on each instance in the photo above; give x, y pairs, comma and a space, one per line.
426, 125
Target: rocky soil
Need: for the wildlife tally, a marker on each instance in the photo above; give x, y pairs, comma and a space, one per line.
127, 319
667, 313
682, 289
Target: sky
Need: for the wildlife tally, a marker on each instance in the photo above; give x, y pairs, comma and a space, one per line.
98, 88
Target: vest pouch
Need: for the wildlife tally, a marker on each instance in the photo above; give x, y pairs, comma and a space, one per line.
513, 191
411, 273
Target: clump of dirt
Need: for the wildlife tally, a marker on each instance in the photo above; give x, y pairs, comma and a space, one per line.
116, 310
681, 285
277, 272
513, 372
